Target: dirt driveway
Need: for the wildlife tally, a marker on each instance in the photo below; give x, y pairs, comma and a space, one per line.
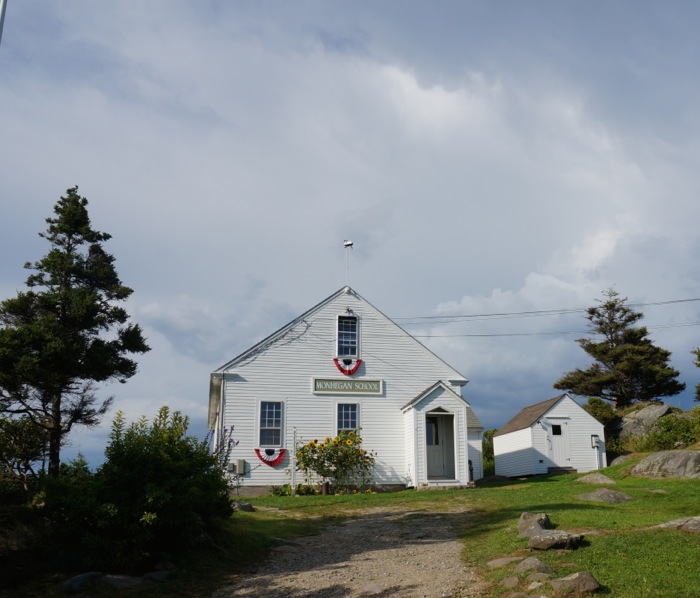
380, 552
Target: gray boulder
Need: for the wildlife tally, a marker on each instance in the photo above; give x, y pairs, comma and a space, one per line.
605, 495
596, 478
686, 524
80, 582
682, 464
533, 564
639, 423
577, 583
530, 521
545, 539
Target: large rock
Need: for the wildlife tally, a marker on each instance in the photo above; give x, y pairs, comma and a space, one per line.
596, 478
533, 564
530, 521
686, 524
577, 583
605, 495
682, 464
639, 423
545, 539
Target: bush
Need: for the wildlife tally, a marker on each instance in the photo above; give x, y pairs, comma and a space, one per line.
340, 460
672, 431
158, 493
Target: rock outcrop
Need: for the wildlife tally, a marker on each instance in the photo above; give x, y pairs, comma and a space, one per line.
680, 463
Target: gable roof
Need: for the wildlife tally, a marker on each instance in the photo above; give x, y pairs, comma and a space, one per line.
279, 334
529, 415
472, 419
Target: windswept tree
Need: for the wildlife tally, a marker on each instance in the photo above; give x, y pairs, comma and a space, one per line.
627, 366
66, 333
696, 352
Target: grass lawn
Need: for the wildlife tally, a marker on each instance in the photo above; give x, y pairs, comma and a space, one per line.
626, 558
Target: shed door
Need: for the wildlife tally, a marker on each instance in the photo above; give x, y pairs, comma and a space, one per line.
559, 449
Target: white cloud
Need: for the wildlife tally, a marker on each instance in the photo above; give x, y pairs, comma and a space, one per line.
230, 149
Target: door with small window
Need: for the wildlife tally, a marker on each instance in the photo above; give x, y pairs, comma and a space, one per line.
558, 440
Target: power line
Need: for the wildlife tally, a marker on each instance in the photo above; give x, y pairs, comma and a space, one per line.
445, 319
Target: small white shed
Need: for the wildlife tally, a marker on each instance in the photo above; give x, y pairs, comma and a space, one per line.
555, 435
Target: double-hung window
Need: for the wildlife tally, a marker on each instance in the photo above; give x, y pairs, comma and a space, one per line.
348, 417
270, 423
347, 336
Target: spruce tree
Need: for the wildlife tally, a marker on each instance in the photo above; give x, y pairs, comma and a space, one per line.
66, 333
627, 366
696, 352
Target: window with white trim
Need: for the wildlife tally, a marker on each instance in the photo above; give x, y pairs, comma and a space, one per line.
348, 417
270, 423
347, 336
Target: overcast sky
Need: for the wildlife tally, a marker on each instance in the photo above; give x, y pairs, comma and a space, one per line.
485, 158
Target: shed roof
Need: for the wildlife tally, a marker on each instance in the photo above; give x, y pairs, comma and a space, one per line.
529, 415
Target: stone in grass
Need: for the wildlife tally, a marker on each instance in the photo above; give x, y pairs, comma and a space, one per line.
533, 564
80, 582
596, 478
528, 520
686, 524
578, 583
503, 561
605, 495
553, 538
121, 582
510, 582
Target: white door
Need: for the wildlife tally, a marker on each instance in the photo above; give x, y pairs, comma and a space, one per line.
559, 449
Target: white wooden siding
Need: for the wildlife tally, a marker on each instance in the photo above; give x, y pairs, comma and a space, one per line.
513, 453
527, 451
284, 371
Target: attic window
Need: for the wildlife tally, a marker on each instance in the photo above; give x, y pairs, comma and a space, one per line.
347, 336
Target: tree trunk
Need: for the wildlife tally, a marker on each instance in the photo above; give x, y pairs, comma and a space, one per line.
55, 437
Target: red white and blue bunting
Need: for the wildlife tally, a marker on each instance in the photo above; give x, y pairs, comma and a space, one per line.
348, 370
270, 456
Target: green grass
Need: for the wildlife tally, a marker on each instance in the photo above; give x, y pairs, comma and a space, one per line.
626, 558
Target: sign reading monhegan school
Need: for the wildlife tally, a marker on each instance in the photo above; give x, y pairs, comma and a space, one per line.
340, 386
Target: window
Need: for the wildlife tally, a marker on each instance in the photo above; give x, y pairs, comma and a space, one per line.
556, 430
270, 423
431, 431
347, 417
347, 336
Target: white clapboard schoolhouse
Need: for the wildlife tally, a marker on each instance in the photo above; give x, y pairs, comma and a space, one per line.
344, 365
554, 435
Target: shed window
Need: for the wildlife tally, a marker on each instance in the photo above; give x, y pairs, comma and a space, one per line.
347, 336
556, 430
271, 423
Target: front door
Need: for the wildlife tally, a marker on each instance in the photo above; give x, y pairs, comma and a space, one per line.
439, 445
558, 436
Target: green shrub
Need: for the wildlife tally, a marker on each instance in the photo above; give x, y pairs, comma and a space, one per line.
671, 431
158, 493
160, 489
340, 460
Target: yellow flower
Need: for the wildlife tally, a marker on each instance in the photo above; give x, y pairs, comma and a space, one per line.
299, 454
348, 442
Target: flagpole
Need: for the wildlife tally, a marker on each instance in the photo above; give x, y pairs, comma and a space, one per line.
3, 5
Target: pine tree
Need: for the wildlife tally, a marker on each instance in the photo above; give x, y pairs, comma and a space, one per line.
66, 332
696, 352
628, 367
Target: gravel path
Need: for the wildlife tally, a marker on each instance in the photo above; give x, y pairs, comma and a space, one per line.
381, 552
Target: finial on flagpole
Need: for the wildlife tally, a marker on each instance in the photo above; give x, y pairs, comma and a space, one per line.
348, 245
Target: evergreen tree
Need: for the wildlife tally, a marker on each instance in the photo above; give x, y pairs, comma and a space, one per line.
627, 367
66, 332
696, 352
